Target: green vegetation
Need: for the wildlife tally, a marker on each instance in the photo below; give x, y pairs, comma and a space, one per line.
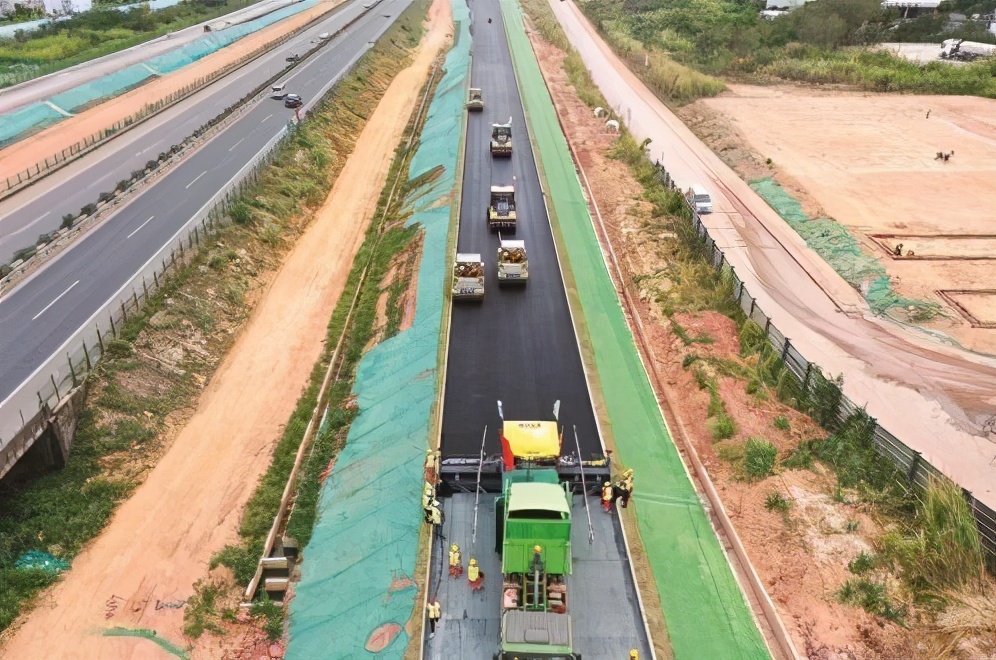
781, 423
686, 41
759, 458
95, 33
863, 563
775, 501
871, 597
61, 511
199, 615
379, 248
722, 427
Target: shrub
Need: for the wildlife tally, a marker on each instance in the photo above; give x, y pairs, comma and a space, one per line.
105, 196
117, 348
775, 501
722, 427
152, 164
759, 458
781, 423
88, 210
122, 185
67, 221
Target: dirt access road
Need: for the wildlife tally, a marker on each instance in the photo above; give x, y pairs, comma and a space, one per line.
160, 541
26, 153
882, 180
935, 398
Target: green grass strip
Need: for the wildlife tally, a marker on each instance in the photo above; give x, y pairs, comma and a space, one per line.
706, 614
150, 635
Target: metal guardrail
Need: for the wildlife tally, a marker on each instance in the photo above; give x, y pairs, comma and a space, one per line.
812, 381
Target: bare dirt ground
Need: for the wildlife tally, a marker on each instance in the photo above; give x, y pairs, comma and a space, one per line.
875, 172
27, 153
802, 555
160, 541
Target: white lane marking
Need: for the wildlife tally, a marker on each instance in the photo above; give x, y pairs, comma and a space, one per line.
55, 301
139, 227
237, 143
265, 118
195, 180
41, 217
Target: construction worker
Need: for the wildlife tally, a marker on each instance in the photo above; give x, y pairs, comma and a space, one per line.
456, 563
475, 576
634, 655
625, 487
435, 612
431, 466
607, 497
434, 516
427, 496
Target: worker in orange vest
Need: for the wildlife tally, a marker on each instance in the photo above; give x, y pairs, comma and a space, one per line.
456, 564
607, 496
475, 575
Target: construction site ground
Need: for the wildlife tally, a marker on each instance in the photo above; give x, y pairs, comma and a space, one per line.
27, 153
140, 572
869, 162
801, 556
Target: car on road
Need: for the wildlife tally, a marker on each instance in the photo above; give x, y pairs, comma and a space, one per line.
699, 199
293, 58
293, 101
323, 36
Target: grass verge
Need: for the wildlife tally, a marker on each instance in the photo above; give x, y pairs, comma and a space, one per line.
138, 399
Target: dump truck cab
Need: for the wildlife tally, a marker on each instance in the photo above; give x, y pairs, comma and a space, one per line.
468, 277
513, 267
475, 100
501, 139
501, 210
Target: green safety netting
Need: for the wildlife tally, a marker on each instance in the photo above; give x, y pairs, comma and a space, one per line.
358, 575
28, 118
704, 610
36, 560
39, 115
832, 241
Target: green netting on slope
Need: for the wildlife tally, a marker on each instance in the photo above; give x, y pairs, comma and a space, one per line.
39, 115
834, 243
29, 118
37, 560
704, 610
359, 567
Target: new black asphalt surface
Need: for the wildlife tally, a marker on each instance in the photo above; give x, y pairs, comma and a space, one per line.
37, 210
518, 345
40, 315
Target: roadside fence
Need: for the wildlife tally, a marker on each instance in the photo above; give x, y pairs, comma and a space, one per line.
813, 384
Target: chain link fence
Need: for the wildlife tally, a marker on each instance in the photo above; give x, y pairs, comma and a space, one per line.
813, 384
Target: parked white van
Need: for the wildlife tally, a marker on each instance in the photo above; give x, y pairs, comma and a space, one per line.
699, 199
278, 91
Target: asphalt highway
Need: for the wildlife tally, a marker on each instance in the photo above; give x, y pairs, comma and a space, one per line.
38, 209
518, 345
41, 314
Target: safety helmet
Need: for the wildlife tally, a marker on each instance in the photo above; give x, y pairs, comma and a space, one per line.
537, 548
627, 473
473, 562
634, 655
454, 548
607, 483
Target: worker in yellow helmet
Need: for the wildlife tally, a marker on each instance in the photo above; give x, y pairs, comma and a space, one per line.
475, 575
625, 486
456, 563
634, 655
607, 497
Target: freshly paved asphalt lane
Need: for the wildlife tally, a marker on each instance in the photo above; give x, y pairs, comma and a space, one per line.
518, 346
41, 314
39, 208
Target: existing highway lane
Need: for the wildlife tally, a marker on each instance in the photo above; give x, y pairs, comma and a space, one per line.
39, 208
38, 316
